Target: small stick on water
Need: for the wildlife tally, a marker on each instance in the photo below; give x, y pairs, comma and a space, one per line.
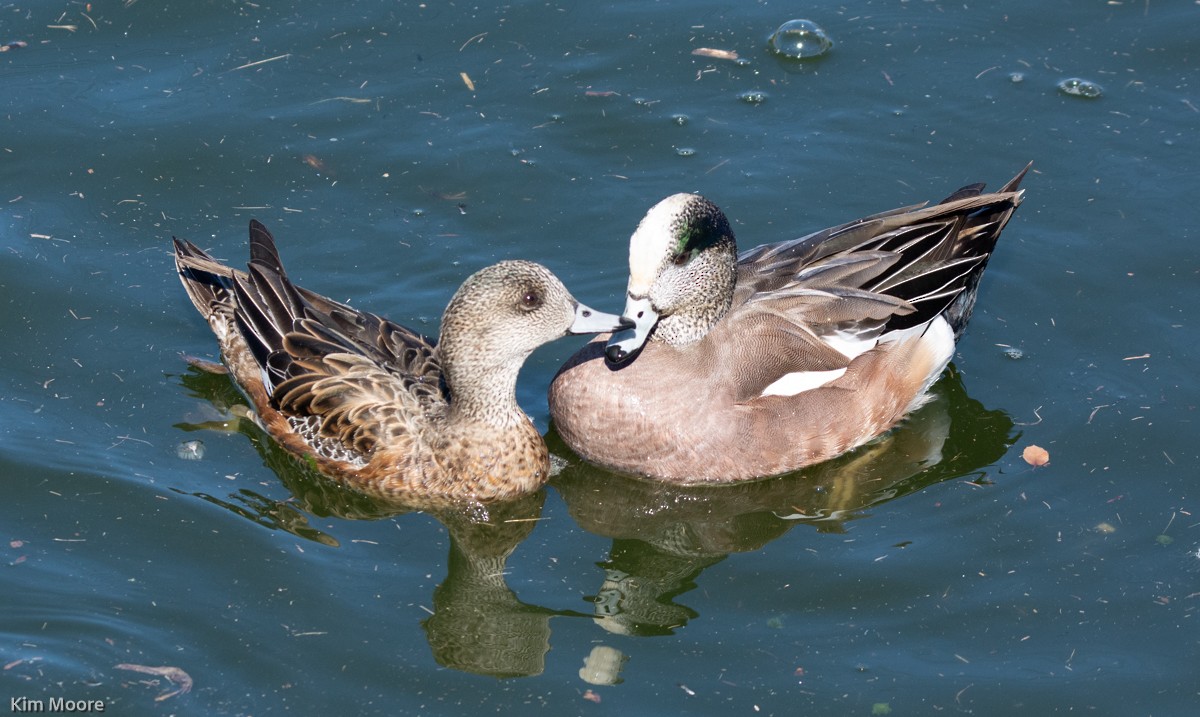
260, 62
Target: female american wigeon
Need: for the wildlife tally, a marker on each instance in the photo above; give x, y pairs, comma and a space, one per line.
376, 405
747, 366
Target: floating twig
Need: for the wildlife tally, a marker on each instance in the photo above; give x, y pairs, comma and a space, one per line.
260, 62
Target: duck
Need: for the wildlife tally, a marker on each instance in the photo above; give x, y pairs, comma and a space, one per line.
377, 406
745, 366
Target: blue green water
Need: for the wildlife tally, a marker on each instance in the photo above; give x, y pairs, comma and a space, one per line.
932, 572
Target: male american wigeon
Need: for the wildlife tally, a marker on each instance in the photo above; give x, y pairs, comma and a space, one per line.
740, 367
376, 405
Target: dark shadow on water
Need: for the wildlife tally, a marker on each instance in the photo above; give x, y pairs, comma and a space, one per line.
664, 536
478, 624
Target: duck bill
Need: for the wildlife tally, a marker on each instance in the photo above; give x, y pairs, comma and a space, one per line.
589, 321
623, 345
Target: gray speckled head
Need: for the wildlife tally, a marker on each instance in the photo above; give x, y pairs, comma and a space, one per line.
495, 320
682, 270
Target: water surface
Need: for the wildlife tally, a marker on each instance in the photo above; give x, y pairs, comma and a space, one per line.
394, 148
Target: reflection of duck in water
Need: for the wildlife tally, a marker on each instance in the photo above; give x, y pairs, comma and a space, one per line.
664, 535
478, 624
639, 589
367, 401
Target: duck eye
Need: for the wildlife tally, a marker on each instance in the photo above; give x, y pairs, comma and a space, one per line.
681, 258
531, 300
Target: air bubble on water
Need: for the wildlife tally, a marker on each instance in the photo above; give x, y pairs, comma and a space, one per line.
1077, 87
753, 97
800, 40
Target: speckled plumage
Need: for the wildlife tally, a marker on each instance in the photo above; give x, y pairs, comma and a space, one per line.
788, 355
376, 405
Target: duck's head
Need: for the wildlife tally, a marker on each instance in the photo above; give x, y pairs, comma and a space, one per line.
503, 312
682, 270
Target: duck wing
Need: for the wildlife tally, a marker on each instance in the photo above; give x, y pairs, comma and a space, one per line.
888, 271
346, 380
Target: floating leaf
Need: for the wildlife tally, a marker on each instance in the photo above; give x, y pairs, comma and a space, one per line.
1035, 455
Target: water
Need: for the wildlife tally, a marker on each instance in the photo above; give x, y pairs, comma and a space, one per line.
933, 571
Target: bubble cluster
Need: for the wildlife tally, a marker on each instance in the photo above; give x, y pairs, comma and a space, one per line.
1076, 87
753, 97
800, 40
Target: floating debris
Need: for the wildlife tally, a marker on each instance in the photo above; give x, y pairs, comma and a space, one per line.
1016, 77
174, 675
800, 40
314, 161
685, 151
14, 45
680, 120
1035, 455
1076, 87
715, 54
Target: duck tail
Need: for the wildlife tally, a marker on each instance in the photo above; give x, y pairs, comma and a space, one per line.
208, 282
944, 250
268, 304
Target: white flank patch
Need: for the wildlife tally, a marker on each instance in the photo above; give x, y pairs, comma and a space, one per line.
937, 340
849, 344
801, 381
651, 242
